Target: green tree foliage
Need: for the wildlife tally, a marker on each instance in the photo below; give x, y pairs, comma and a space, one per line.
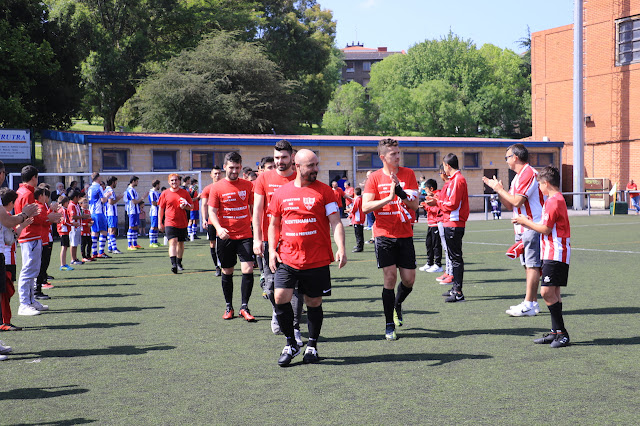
348, 111
223, 86
40, 54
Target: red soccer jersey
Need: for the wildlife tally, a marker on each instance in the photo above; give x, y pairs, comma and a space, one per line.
454, 202
232, 199
86, 224
357, 217
525, 184
339, 193
394, 219
169, 203
433, 212
74, 210
305, 242
350, 191
64, 226
556, 245
266, 184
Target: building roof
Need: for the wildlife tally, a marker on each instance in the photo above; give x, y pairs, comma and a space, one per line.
361, 53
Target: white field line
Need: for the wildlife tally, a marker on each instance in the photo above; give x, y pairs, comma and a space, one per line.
572, 248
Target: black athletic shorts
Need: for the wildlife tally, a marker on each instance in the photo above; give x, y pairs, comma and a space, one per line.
314, 282
554, 273
64, 240
211, 232
227, 250
395, 251
172, 232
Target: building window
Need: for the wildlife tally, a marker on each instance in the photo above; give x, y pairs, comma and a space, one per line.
471, 160
114, 159
205, 160
366, 66
369, 160
541, 159
165, 160
628, 41
421, 160
351, 67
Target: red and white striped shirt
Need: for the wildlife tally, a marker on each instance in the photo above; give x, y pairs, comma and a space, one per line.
526, 185
556, 245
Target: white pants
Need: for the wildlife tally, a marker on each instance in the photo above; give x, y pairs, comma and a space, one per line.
31, 259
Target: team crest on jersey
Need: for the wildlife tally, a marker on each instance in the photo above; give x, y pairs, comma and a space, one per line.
308, 202
242, 194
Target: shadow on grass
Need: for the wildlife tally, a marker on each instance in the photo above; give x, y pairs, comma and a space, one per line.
487, 270
440, 359
603, 311
421, 333
98, 310
506, 297
369, 314
94, 284
41, 393
98, 296
496, 281
96, 325
345, 279
352, 299
69, 422
108, 351
610, 342
84, 277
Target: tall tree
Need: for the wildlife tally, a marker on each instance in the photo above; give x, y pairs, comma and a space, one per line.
222, 86
348, 111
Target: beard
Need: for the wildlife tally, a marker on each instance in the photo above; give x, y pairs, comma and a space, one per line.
282, 167
310, 176
233, 176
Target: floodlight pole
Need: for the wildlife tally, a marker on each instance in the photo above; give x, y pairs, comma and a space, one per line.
578, 107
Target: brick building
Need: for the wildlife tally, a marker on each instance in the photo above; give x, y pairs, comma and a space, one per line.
611, 90
359, 59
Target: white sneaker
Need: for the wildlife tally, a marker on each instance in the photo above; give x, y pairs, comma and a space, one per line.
298, 336
536, 307
522, 311
3, 357
275, 327
435, 268
4, 349
39, 306
28, 310
425, 267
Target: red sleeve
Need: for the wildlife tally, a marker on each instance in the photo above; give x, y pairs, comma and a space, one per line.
451, 203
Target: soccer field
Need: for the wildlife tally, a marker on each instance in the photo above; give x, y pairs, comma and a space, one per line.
127, 342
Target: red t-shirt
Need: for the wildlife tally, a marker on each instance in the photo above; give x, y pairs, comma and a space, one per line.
232, 199
266, 184
394, 219
556, 245
339, 193
356, 215
350, 191
305, 242
169, 203
86, 224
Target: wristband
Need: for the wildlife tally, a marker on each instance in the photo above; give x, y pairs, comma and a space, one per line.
24, 216
400, 192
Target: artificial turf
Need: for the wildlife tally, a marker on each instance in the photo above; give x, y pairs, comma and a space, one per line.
128, 342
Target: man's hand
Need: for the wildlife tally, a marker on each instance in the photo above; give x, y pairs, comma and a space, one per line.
258, 247
493, 183
430, 200
31, 210
274, 260
223, 234
341, 258
521, 220
55, 217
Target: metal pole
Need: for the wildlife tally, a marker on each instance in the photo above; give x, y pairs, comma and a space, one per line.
578, 108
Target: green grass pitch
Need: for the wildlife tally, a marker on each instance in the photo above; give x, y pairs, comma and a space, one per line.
128, 342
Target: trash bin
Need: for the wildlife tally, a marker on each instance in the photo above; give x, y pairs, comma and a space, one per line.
619, 208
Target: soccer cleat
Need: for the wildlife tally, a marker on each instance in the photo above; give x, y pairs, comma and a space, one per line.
49, 277
3, 357
357, 250
40, 296
132, 248
77, 262
288, 353
310, 355
536, 307
218, 271
521, 311
4, 349
180, 267
139, 247
174, 269
448, 292
275, 326
561, 340
47, 285
39, 306
434, 268
425, 267
546, 338
9, 327
103, 256
228, 314
244, 313
86, 259
456, 296
27, 310
447, 280
116, 251
66, 268
298, 336
397, 316
442, 277
390, 332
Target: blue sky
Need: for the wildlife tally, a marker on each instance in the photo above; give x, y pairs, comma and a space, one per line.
400, 24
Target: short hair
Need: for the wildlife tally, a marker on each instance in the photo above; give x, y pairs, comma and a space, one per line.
94, 176
385, 144
41, 191
216, 167
246, 170
111, 180
283, 145
133, 178
173, 175
551, 175
252, 175
8, 195
73, 183
520, 151
431, 183
28, 172
184, 179
155, 183
74, 193
265, 160
63, 199
357, 190
452, 160
45, 185
232, 157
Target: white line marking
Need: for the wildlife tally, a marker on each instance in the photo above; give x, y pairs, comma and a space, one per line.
572, 248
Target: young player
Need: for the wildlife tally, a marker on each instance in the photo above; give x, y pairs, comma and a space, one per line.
86, 231
194, 215
111, 211
447, 277
63, 230
154, 196
74, 211
357, 220
173, 207
432, 241
555, 239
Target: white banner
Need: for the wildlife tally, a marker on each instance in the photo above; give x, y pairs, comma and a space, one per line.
15, 145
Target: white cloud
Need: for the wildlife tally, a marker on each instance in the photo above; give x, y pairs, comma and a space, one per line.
368, 4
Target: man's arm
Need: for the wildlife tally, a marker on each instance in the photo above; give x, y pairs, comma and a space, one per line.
9, 221
369, 204
274, 237
525, 221
204, 212
338, 237
509, 201
222, 233
256, 220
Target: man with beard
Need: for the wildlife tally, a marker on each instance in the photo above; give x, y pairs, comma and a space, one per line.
230, 202
302, 213
172, 220
216, 175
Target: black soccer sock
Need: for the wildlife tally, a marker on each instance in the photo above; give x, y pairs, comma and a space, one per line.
284, 313
403, 292
314, 321
174, 260
557, 322
179, 261
214, 256
388, 303
227, 288
246, 287
297, 303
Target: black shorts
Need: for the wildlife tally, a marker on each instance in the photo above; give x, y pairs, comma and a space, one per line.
315, 282
172, 232
64, 240
554, 273
395, 251
211, 232
227, 250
